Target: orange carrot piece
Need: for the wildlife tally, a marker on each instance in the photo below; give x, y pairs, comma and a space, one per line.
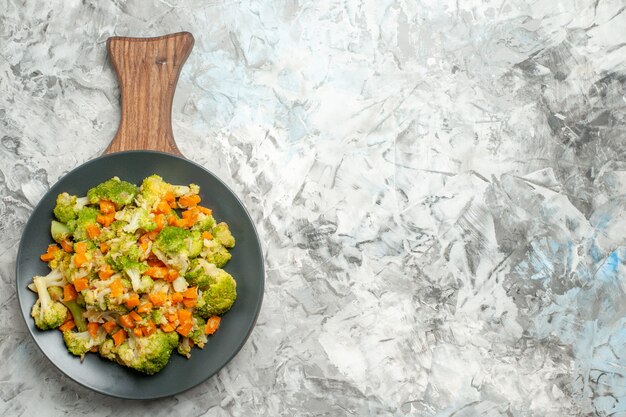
167, 328
81, 284
156, 262
159, 219
144, 308
92, 328
184, 316
171, 317
207, 235
191, 215
205, 210
189, 302
163, 207
107, 207
109, 326
212, 324
67, 246
69, 293
80, 259
92, 230
133, 315
184, 329
47, 257
132, 301
172, 274
189, 200
68, 325
80, 247
104, 248
119, 337
137, 332
105, 219
157, 298
156, 272
191, 292
117, 288
105, 272
177, 297
127, 321
149, 328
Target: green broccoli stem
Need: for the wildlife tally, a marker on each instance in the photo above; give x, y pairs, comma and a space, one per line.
77, 314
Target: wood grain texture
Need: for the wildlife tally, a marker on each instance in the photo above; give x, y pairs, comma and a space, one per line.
147, 70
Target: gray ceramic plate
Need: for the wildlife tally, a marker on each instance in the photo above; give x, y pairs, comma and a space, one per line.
246, 266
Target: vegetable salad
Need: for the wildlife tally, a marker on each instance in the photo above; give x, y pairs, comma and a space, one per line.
131, 278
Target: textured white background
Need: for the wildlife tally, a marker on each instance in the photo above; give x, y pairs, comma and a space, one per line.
439, 187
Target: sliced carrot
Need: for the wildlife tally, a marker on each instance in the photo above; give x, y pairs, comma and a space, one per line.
189, 302
172, 274
105, 272
157, 298
212, 324
81, 284
92, 328
69, 293
80, 247
191, 215
137, 332
68, 325
80, 259
107, 207
119, 337
156, 262
207, 235
133, 315
163, 207
132, 301
171, 317
117, 288
205, 210
191, 292
127, 321
159, 219
156, 272
105, 220
67, 246
104, 248
169, 197
47, 257
149, 236
52, 248
167, 328
189, 200
149, 328
92, 230
177, 297
184, 329
144, 308
184, 316
109, 326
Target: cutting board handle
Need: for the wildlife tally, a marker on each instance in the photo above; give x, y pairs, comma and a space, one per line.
147, 70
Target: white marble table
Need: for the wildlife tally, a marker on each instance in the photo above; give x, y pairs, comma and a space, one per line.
439, 187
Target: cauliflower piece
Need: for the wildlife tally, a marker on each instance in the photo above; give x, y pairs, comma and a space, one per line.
48, 314
137, 218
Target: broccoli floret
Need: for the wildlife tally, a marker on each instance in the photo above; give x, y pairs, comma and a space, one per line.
219, 297
119, 192
152, 190
194, 243
59, 231
48, 314
184, 348
86, 216
149, 354
79, 343
138, 218
172, 240
67, 207
205, 222
158, 317
60, 261
77, 314
215, 253
202, 274
197, 332
108, 350
222, 234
